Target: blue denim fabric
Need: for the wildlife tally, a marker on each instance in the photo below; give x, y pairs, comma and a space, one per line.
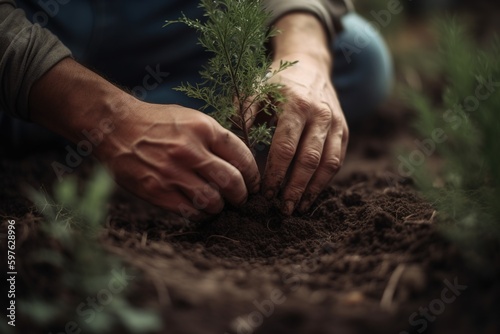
363, 70
124, 41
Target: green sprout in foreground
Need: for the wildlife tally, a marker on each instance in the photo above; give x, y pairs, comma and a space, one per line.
73, 223
466, 192
236, 79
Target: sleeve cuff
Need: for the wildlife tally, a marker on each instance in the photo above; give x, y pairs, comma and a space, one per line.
329, 12
27, 52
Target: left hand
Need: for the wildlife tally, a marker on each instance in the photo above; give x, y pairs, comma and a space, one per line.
310, 141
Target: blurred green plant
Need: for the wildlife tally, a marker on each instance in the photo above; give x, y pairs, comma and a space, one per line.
75, 223
236, 78
466, 190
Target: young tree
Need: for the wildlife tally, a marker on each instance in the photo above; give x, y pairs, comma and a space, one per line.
236, 85
467, 191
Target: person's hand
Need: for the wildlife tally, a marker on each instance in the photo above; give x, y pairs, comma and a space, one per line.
310, 140
180, 159
311, 136
177, 158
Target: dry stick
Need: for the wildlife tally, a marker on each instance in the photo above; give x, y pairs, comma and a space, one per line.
223, 237
433, 216
320, 205
420, 221
180, 234
163, 295
406, 218
417, 222
390, 290
144, 239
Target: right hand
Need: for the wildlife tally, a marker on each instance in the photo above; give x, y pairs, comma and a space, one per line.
179, 159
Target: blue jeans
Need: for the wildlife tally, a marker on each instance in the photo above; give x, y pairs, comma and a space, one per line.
125, 42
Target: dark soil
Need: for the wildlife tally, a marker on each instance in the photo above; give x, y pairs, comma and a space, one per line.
363, 260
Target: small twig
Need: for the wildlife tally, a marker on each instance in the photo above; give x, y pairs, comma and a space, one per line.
144, 239
417, 222
420, 221
412, 215
223, 237
386, 302
434, 213
320, 205
163, 295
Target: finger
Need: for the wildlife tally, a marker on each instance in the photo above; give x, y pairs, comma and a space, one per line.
172, 200
203, 195
225, 178
283, 148
306, 162
250, 110
331, 161
183, 206
231, 149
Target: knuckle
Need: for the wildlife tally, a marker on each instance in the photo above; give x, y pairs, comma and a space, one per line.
302, 104
246, 159
233, 180
286, 150
324, 115
332, 165
150, 184
310, 159
204, 125
208, 201
234, 183
178, 152
339, 124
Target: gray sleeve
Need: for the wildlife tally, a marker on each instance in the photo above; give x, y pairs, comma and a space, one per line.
27, 51
328, 11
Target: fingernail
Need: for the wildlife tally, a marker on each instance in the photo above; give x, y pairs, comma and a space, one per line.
269, 194
288, 208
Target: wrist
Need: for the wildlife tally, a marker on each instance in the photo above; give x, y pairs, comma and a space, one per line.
302, 36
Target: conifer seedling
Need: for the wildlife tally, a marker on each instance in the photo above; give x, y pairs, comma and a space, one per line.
236, 78
466, 191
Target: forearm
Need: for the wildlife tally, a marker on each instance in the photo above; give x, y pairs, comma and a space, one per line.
69, 99
302, 34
